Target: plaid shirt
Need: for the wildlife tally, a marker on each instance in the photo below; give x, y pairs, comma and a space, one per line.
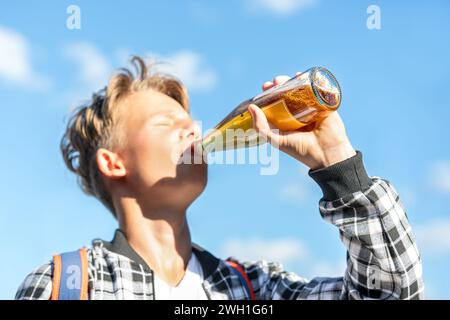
383, 261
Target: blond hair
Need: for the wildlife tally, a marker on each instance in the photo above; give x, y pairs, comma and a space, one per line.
97, 124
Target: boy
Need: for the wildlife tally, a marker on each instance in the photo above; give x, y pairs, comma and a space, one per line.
121, 147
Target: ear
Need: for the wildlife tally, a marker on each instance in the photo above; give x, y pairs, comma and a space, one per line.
110, 164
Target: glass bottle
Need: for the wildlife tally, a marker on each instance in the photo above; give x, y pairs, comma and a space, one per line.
301, 104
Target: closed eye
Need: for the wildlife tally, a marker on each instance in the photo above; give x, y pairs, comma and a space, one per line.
162, 120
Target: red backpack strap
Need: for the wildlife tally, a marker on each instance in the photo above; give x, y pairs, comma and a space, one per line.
70, 276
243, 277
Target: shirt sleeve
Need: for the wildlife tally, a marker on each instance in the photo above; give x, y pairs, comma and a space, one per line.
37, 285
383, 261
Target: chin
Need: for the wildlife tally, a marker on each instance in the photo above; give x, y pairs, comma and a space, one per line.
196, 176
192, 178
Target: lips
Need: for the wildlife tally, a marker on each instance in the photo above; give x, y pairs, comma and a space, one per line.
192, 147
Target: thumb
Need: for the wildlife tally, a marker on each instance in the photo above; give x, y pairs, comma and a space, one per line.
262, 125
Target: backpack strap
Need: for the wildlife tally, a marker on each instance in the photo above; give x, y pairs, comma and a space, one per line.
70, 276
243, 277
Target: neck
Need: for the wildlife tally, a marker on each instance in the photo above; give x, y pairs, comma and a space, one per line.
159, 235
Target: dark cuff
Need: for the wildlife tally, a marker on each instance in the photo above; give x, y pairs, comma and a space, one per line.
342, 178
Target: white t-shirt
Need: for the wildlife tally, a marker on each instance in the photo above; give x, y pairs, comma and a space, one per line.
189, 288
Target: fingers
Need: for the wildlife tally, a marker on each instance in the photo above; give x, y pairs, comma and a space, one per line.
267, 85
262, 126
276, 81
280, 79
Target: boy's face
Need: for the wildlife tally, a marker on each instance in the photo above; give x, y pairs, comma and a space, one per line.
158, 130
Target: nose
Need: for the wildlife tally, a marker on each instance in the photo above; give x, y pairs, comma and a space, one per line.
190, 131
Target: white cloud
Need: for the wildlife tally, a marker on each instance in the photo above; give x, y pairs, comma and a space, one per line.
328, 269
300, 190
122, 56
94, 68
290, 252
439, 176
204, 13
15, 63
295, 192
280, 7
282, 250
434, 236
408, 195
189, 66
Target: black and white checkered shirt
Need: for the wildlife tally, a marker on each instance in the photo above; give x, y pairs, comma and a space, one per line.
383, 261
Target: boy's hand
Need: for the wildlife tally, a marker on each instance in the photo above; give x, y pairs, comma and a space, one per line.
325, 145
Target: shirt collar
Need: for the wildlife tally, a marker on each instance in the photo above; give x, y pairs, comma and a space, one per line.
120, 245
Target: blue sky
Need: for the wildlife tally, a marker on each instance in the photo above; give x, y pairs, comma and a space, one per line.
395, 107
